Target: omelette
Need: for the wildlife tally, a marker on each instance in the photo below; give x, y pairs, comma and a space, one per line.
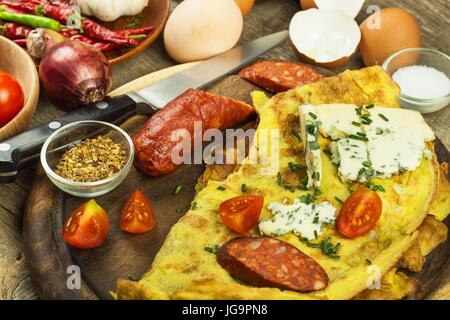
186, 268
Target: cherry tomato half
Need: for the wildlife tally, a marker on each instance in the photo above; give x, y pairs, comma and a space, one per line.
137, 215
87, 227
241, 213
359, 213
11, 98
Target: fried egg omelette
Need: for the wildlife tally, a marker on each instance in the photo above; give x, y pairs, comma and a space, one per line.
183, 269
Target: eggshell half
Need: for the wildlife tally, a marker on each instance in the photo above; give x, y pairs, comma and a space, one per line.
327, 38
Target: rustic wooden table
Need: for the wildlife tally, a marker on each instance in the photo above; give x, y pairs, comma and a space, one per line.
267, 16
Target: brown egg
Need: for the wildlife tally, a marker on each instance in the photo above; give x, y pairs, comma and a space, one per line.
386, 32
245, 6
307, 4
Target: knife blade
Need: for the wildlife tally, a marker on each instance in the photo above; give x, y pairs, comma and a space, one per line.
17, 151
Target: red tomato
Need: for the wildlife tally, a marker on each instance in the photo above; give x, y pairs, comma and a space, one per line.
242, 213
87, 227
359, 213
137, 215
11, 98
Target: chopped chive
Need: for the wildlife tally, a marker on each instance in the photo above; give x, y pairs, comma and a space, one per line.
317, 192
361, 134
312, 115
304, 181
382, 116
366, 118
212, 250
316, 175
133, 278
356, 137
358, 111
366, 163
279, 178
295, 167
369, 106
193, 205
296, 134
339, 200
221, 188
314, 145
179, 210
335, 257
315, 234
177, 190
368, 262
244, 188
356, 123
313, 245
328, 152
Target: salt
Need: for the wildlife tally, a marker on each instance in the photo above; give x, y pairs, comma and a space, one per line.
422, 82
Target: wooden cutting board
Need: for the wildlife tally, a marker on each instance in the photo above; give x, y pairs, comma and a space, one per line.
124, 255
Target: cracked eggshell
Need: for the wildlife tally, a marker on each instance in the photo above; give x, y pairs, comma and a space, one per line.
327, 38
198, 29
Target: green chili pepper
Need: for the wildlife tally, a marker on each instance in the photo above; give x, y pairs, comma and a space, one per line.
31, 20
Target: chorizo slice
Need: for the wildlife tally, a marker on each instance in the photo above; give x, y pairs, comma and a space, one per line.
268, 262
278, 76
154, 143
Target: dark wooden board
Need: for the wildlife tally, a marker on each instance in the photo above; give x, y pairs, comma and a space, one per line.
124, 255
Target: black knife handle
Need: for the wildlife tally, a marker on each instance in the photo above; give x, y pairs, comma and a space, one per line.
16, 151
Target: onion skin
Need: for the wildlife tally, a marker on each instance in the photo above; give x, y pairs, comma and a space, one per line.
74, 75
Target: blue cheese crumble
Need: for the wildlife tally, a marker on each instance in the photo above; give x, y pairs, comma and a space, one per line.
305, 220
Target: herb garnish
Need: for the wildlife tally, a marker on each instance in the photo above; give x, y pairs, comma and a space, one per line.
212, 250
316, 175
327, 247
375, 187
295, 167
193, 205
177, 190
339, 200
369, 106
179, 210
279, 178
296, 134
357, 137
368, 262
356, 123
221, 188
308, 198
312, 115
382, 116
244, 188
314, 145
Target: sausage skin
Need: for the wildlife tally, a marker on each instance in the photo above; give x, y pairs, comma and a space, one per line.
153, 143
268, 262
278, 76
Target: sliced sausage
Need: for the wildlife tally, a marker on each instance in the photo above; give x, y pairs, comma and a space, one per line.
268, 262
154, 142
278, 76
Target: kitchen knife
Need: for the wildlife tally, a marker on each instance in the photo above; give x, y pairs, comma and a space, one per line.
21, 149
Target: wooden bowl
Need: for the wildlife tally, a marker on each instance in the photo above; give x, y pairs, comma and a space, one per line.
155, 14
16, 61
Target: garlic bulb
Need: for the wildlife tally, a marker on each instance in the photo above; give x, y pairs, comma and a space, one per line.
110, 10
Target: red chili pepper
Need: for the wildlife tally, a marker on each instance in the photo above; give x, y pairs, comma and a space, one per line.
21, 42
104, 47
130, 32
15, 31
95, 31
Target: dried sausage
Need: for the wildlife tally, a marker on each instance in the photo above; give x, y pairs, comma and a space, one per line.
268, 262
278, 76
154, 144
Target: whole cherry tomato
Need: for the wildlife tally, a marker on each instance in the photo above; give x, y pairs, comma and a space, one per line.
11, 98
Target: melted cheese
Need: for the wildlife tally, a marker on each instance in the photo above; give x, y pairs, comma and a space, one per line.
302, 219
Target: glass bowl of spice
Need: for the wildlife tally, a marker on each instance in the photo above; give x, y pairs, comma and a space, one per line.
88, 158
423, 77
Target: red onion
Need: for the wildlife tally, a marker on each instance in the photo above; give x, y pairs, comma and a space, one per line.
74, 74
